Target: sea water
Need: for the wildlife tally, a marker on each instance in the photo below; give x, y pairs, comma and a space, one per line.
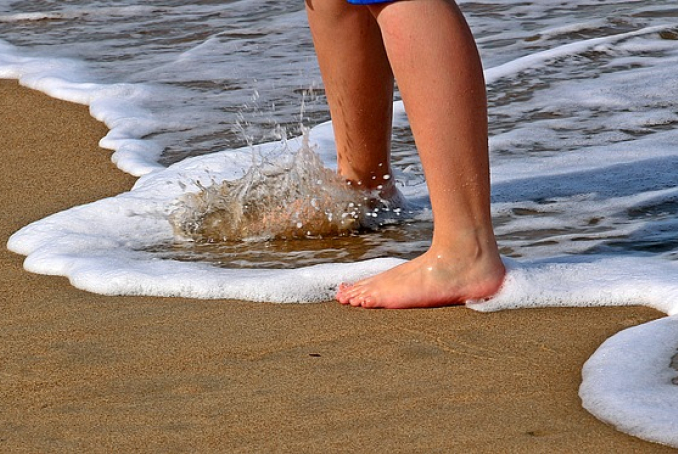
207, 97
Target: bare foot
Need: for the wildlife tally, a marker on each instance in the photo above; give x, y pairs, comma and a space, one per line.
431, 280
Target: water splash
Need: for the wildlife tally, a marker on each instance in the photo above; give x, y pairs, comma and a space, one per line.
294, 196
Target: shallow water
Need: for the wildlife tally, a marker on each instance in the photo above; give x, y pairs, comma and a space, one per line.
583, 125
219, 75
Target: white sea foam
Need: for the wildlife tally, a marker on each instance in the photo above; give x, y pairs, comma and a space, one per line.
566, 50
586, 282
99, 246
629, 381
583, 132
76, 13
116, 105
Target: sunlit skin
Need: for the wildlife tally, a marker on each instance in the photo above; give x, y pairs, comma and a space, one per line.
429, 48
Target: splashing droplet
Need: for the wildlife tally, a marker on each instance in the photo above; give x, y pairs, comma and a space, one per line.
278, 200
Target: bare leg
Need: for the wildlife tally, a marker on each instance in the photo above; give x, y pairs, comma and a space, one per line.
434, 58
359, 87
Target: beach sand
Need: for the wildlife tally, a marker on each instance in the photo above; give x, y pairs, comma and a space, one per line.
87, 373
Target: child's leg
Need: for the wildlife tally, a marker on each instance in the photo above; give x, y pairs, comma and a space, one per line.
359, 87
435, 61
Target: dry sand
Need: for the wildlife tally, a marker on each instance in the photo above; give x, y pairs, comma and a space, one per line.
88, 373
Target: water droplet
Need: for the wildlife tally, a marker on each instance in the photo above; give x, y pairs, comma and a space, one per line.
278, 195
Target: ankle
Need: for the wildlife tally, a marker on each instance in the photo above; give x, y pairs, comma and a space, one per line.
369, 181
378, 190
473, 244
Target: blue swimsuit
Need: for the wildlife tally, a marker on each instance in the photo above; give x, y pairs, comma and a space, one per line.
368, 2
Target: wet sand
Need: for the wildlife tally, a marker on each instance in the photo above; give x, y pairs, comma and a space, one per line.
87, 373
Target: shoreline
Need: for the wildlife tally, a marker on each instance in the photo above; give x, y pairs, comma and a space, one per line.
93, 373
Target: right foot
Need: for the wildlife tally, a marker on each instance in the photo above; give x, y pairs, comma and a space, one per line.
431, 280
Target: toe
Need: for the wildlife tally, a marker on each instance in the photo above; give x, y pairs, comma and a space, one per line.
343, 293
344, 286
367, 302
356, 301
